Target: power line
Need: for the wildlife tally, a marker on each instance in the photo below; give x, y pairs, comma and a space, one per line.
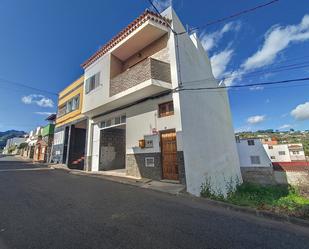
241, 86
2, 80
235, 15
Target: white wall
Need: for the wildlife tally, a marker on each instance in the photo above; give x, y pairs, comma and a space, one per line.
274, 152
141, 119
210, 151
245, 152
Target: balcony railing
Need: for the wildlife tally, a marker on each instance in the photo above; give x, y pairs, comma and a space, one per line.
145, 70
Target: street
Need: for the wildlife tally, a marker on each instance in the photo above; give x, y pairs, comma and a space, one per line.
51, 209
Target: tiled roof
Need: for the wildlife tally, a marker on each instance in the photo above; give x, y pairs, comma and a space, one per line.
291, 166
147, 15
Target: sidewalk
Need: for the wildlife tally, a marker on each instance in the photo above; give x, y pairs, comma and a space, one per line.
167, 187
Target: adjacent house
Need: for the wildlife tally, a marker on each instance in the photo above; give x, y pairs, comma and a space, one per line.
70, 129
43, 146
251, 153
31, 141
255, 164
285, 152
138, 121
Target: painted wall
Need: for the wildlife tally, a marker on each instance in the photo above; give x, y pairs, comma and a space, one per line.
108, 66
245, 151
74, 89
273, 152
141, 119
209, 146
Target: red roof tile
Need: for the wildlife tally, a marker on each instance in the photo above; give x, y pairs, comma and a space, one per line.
291, 166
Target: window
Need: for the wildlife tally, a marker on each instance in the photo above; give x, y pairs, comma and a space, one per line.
61, 110
250, 142
92, 82
272, 157
281, 153
69, 106
108, 123
295, 152
75, 103
117, 120
270, 147
166, 109
149, 162
123, 119
255, 160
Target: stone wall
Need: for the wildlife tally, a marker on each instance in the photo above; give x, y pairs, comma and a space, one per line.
300, 178
143, 71
266, 176
135, 166
259, 175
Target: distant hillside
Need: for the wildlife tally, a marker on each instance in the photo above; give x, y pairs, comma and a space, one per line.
4, 136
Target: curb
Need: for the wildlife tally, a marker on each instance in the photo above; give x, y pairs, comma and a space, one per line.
259, 213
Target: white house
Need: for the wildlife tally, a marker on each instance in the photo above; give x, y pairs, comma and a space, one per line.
252, 153
285, 152
140, 124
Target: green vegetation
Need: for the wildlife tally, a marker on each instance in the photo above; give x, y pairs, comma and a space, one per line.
279, 199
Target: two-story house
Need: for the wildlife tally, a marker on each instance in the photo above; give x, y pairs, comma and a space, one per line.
143, 116
71, 127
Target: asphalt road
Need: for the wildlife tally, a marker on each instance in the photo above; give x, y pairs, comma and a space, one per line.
43, 208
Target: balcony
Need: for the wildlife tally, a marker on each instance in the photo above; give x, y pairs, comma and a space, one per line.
147, 69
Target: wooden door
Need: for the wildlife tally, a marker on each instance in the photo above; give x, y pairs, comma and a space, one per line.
169, 155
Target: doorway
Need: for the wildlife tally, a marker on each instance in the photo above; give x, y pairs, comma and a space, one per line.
113, 148
169, 155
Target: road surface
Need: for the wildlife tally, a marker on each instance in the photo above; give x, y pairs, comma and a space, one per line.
44, 208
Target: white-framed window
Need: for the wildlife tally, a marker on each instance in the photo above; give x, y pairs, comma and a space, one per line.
119, 120
270, 147
149, 162
272, 157
69, 106
251, 142
255, 160
58, 137
281, 153
295, 152
92, 82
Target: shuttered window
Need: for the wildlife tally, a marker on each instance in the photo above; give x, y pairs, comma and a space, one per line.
92, 82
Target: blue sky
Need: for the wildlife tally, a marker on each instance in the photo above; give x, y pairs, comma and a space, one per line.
43, 43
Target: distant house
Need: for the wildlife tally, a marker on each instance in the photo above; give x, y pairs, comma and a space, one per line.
13, 143
285, 152
31, 141
43, 146
252, 153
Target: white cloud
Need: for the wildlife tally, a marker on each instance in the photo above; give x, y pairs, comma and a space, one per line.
161, 4
256, 119
210, 41
285, 127
44, 113
256, 88
220, 61
37, 99
301, 112
277, 38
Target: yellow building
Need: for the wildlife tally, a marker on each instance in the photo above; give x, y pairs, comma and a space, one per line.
71, 127
70, 103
